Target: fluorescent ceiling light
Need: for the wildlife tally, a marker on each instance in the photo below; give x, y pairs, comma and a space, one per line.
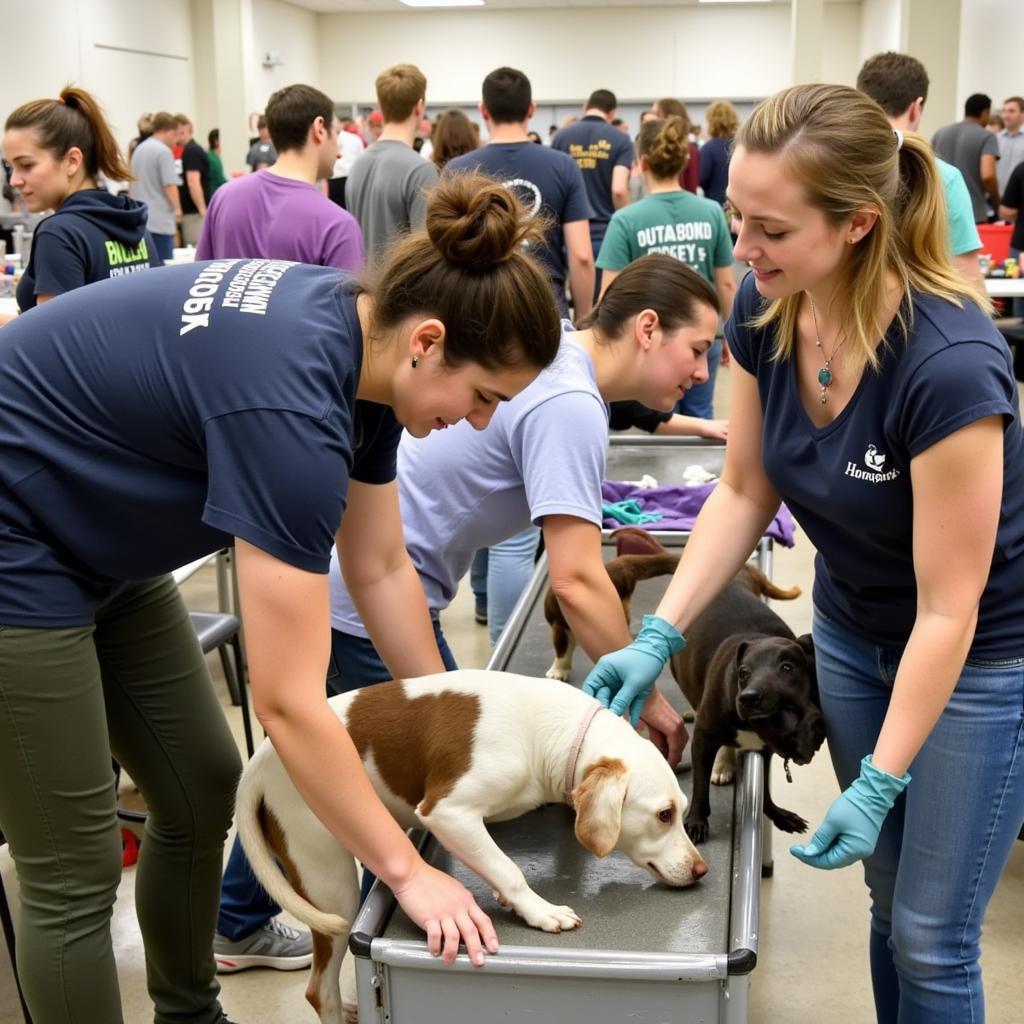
443, 3
733, 1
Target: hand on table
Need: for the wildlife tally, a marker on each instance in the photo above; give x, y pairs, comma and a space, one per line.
445, 909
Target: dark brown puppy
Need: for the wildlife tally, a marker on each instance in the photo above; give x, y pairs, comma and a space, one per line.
753, 685
639, 557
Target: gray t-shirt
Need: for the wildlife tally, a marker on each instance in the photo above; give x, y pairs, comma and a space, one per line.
461, 489
153, 167
386, 192
962, 145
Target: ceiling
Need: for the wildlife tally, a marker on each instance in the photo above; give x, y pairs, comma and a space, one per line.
381, 6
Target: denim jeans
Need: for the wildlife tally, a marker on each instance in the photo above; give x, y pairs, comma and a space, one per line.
244, 905
507, 567
945, 842
164, 246
699, 399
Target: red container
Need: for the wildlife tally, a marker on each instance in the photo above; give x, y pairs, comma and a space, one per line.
995, 240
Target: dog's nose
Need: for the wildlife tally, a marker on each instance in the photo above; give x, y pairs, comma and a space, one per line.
750, 697
700, 868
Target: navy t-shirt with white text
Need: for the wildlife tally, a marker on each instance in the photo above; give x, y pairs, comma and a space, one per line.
147, 420
848, 483
546, 181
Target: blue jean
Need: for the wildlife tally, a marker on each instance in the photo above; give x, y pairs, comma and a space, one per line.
507, 567
699, 399
244, 905
164, 246
945, 842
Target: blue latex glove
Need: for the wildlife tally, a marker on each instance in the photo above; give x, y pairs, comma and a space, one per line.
628, 675
850, 829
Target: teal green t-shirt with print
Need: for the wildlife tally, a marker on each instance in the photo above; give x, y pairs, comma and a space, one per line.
963, 233
680, 224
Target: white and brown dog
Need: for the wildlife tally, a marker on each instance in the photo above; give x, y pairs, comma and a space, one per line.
448, 753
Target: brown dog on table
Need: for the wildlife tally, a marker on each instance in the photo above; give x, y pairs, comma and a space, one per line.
753, 686
639, 556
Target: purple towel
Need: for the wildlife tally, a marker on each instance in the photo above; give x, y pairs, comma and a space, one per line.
679, 505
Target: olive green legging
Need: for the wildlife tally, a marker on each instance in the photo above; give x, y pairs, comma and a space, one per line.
134, 686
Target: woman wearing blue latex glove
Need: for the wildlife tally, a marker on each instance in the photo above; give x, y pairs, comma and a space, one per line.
872, 393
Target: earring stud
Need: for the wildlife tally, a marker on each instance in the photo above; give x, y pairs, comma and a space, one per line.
415, 361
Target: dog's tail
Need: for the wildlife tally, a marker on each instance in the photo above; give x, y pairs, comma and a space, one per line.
251, 817
760, 586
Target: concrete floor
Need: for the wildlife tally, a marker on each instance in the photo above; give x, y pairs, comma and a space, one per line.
812, 966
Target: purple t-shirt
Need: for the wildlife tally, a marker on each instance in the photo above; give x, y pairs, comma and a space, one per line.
265, 215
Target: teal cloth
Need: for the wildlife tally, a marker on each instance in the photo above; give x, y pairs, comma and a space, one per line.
628, 512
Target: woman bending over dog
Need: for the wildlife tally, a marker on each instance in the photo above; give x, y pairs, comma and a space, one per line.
151, 419
871, 393
541, 460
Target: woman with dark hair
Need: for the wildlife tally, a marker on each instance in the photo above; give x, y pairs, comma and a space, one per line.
57, 150
542, 462
147, 421
454, 134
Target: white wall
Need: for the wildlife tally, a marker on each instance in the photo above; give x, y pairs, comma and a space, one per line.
134, 55
991, 51
293, 32
879, 26
638, 52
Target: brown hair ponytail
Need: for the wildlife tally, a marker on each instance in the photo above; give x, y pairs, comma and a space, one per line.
75, 120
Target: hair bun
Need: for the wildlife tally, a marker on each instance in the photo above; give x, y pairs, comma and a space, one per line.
475, 222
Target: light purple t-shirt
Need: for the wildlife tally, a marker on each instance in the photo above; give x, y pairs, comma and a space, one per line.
461, 489
265, 215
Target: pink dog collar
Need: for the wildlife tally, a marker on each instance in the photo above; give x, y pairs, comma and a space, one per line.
574, 752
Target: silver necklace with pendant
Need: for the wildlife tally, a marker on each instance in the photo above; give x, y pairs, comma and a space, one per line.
825, 375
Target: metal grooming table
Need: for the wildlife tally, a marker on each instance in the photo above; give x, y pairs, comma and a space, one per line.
645, 954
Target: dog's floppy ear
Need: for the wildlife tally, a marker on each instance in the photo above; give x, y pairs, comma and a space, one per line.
741, 649
806, 643
631, 540
598, 800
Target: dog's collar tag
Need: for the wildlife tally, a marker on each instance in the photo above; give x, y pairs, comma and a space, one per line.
574, 752
785, 768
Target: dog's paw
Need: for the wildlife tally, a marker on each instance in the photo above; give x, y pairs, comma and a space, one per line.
724, 769
547, 917
787, 821
697, 831
559, 673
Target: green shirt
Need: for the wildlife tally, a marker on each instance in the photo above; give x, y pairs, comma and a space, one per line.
680, 224
963, 233
216, 172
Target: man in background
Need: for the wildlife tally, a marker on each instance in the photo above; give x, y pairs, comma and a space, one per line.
194, 189
974, 152
278, 212
898, 83
386, 190
604, 155
1011, 140
547, 181
262, 153
156, 182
